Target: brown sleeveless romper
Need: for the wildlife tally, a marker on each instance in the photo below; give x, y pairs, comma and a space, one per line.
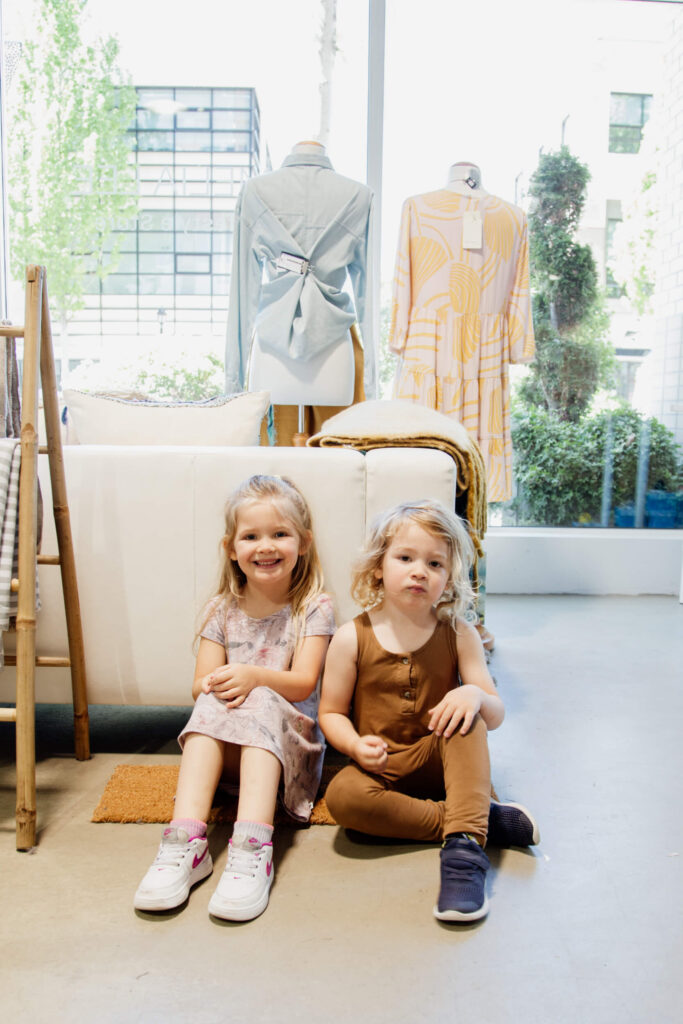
431, 786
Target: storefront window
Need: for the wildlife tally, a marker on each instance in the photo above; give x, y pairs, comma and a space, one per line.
569, 111
526, 92
218, 96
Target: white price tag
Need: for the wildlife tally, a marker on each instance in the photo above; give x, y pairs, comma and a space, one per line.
472, 230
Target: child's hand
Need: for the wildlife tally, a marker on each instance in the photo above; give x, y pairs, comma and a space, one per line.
231, 683
370, 752
459, 705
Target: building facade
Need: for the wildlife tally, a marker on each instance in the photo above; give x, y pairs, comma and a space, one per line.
191, 150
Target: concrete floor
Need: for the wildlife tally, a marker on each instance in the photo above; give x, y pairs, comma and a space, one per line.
587, 927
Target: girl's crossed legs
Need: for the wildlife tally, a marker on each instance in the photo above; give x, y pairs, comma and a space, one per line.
435, 788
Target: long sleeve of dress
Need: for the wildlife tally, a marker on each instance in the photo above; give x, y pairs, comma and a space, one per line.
520, 325
360, 274
243, 304
402, 297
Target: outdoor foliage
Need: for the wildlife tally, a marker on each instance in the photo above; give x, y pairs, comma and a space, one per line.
69, 176
181, 383
560, 464
634, 246
566, 457
574, 357
180, 376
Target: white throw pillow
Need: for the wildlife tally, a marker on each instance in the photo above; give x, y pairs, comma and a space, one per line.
226, 420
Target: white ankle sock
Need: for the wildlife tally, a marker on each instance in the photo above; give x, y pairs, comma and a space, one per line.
258, 830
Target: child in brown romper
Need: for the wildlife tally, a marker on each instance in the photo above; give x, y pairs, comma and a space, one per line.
408, 696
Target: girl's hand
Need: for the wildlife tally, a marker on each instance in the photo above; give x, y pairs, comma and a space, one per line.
459, 705
231, 683
370, 752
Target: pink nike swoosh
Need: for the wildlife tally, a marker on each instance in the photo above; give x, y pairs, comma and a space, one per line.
269, 868
197, 860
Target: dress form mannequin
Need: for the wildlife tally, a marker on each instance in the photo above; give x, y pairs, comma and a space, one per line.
308, 146
326, 379
465, 178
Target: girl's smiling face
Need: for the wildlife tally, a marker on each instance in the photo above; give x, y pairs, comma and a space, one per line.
266, 546
415, 566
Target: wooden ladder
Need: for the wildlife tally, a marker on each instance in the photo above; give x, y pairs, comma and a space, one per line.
39, 361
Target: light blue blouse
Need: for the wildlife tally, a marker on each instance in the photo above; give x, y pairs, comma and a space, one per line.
301, 233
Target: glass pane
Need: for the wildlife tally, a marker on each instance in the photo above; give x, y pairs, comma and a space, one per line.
626, 109
189, 284
193, 119
231, 142
230, 120
187, 220
150, 119
120, 284
193, 141
193, 264
624, 140
193, 98
232, 98
156, 263
155, 141
188, 241
155, 241
156, 220
156, 284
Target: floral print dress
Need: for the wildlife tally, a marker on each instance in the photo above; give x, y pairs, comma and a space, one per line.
265, 719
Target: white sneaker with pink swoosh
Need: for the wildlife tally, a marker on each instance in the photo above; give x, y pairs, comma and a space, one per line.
180, 863
244, 887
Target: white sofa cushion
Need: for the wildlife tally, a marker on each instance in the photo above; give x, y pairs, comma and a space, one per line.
233, 420
147, 523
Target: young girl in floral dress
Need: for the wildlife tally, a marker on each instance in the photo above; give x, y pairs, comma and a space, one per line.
256, 689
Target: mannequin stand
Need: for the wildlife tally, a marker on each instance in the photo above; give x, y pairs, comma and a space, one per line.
301, 437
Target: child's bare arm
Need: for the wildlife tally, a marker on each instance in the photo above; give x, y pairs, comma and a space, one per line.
233, 682
339, 682
477, 695
210, 656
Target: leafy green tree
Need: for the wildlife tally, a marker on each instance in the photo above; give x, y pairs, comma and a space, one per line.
635, 246
574, 357
70, 178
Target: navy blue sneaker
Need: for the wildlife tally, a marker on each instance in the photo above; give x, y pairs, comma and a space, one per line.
511, 825
463, 881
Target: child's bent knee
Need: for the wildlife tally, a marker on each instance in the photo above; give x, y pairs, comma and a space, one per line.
347, 797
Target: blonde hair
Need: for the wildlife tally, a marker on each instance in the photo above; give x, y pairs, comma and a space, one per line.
307, 576
458, 598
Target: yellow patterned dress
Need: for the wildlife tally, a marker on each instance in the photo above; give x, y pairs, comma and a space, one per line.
460, 316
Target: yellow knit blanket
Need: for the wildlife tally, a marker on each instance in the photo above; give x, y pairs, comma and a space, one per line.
402, 424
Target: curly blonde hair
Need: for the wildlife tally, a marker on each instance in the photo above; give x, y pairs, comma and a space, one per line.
458, 598
307, 576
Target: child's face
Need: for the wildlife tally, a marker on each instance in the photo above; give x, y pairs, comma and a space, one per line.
415, 567
266, 545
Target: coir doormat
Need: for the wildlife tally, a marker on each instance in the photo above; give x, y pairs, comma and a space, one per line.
138, 793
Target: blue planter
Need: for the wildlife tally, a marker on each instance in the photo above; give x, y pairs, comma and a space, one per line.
625, 515
660, 510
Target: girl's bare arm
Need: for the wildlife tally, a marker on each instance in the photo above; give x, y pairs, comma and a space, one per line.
233, 682
210, 657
